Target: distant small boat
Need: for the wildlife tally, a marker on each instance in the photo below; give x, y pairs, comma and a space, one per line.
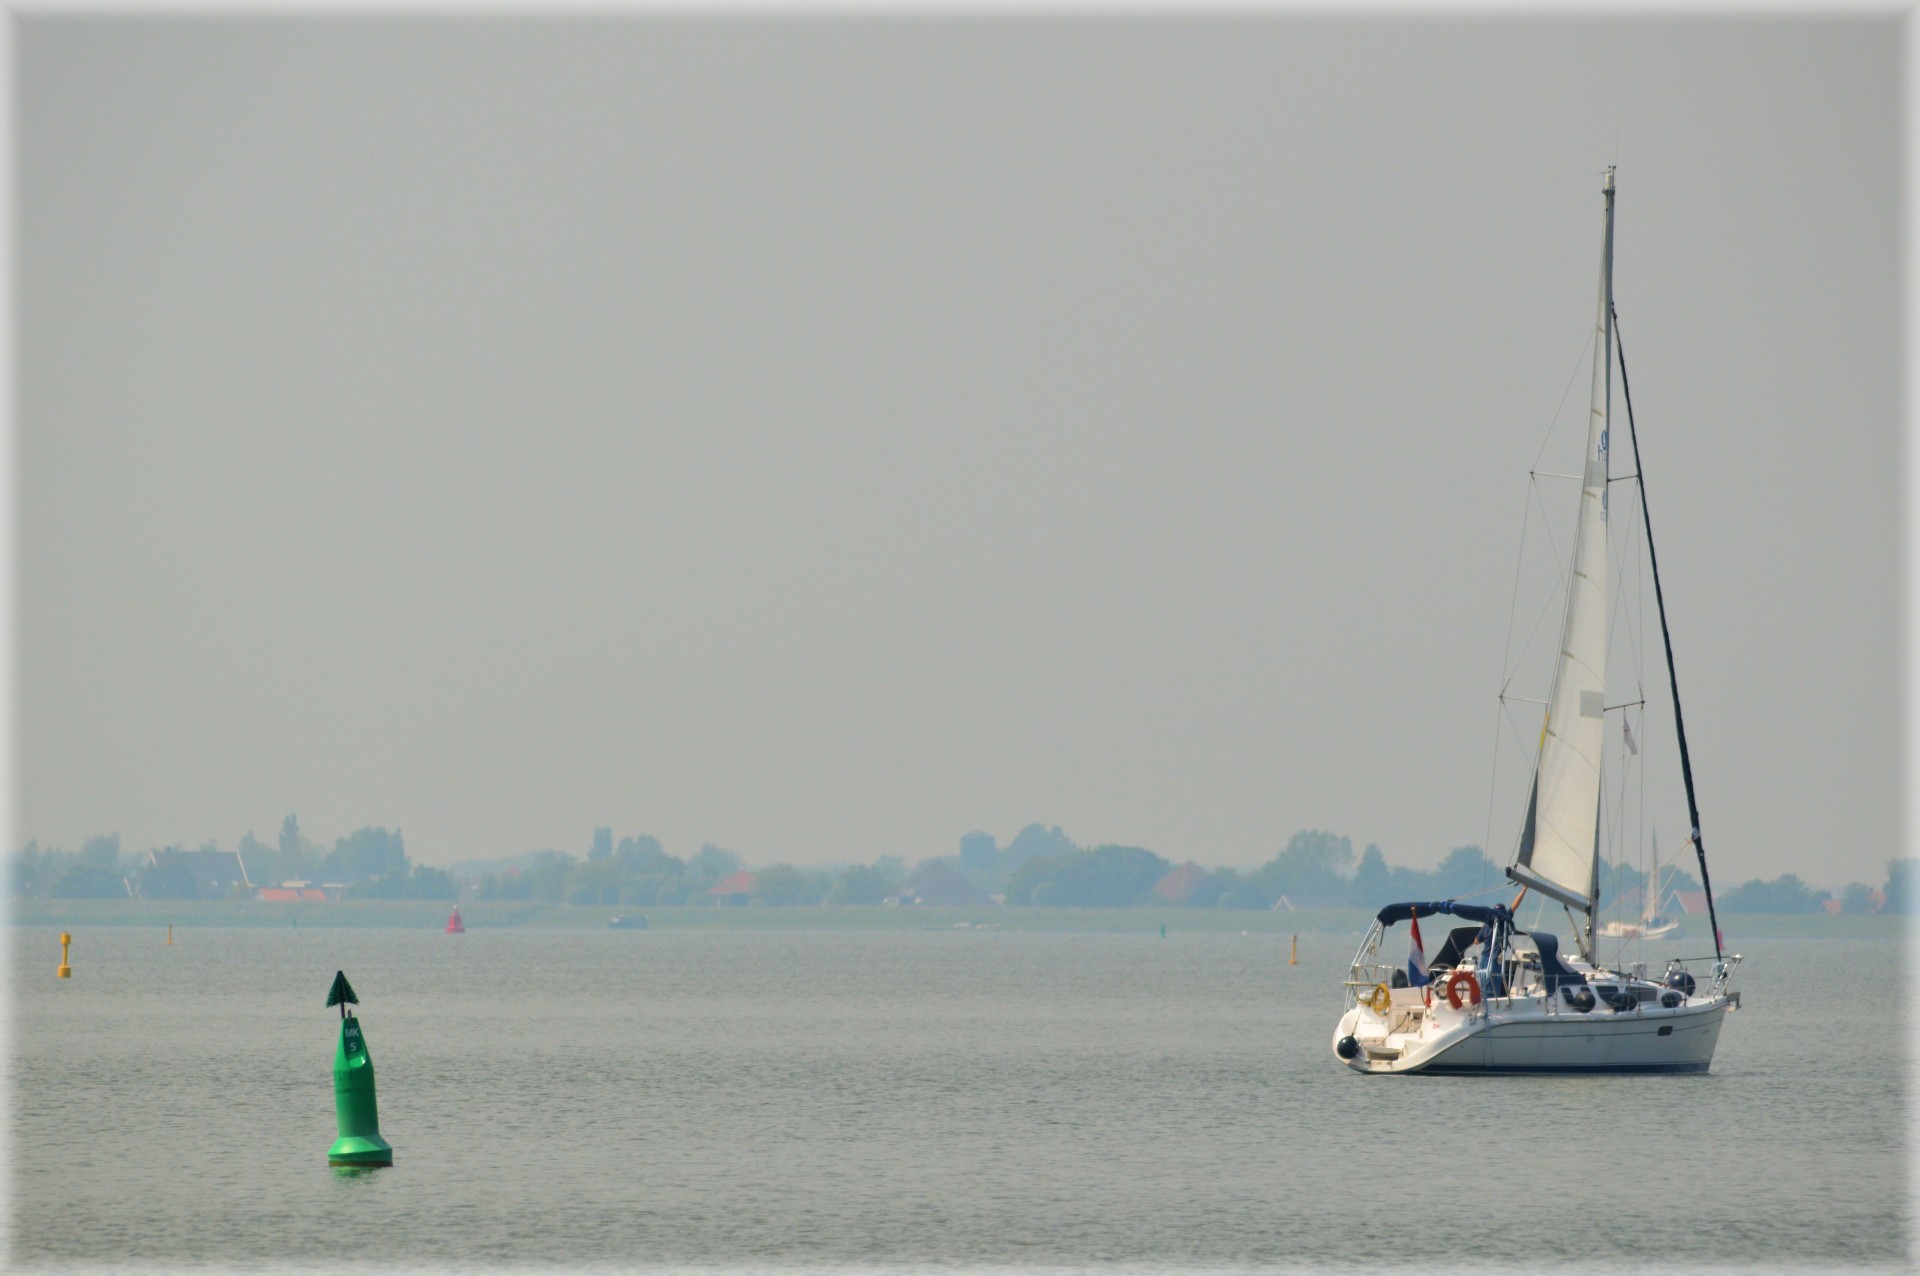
627, 923
454, 925
1651, 924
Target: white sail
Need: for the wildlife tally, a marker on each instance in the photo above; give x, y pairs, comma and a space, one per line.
1650, 905
1559, 851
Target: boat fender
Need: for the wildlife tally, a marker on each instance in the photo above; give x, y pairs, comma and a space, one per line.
1580, 998
1671, 998
1682, 980
1381, 999
1618, 998
1458, 978
1347, 1047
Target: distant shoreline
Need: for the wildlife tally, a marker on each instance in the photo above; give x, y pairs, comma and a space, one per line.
484, 916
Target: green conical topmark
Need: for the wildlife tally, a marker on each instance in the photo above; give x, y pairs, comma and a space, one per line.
341, 993
353, 1099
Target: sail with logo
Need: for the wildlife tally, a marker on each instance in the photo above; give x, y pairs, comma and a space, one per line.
1559, 852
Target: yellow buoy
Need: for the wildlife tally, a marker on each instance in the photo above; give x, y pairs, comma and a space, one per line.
1293, 954
169, 932
65, 971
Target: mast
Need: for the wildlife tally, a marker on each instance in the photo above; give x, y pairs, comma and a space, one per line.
1558, 855
1673, 678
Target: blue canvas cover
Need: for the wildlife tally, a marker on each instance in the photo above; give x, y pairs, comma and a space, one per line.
1482, 913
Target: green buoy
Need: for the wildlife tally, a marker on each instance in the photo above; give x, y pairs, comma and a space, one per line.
359, 1144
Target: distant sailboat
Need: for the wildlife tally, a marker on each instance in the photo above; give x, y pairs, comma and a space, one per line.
1498, 998
1652, 924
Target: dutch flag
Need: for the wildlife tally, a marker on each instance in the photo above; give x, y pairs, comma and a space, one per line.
1417, 959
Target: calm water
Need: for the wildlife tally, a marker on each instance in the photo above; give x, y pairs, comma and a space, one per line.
977, 1098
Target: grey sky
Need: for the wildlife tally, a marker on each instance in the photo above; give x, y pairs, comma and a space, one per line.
825, 437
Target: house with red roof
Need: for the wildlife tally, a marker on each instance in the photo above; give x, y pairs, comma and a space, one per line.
939, 886
732, 890
1692, 903
1178, 886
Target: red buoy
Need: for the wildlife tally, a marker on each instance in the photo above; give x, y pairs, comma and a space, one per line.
453, 923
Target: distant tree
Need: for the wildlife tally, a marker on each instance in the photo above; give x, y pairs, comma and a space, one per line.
548, 876
35, 871
891, 867
1030, 876
364, 853
653, 888
669, 891
421, 883
261, 861
643, 854
1208, 891
101, 852
860, 885
1900, 887
1310, 869
1106, 876
1036, 839
602, 845
1678, 879
1785, 894
598, 881
512, 885
85, 881
299, 858
711, 863
1465, 871
1371, 879
1856, 898
781, 884
1617, 878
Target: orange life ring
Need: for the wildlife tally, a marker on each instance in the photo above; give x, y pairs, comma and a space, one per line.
1453, 989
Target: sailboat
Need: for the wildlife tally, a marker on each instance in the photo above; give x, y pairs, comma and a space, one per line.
1653, 924
1498, 997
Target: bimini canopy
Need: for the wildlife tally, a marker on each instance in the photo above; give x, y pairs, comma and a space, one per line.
1482, 913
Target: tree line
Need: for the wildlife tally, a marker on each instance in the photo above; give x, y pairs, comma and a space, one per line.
1040, 866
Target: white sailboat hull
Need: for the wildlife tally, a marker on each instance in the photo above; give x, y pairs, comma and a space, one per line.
1626, 930
1530, 1035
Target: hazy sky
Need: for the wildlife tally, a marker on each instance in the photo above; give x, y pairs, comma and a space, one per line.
828, 436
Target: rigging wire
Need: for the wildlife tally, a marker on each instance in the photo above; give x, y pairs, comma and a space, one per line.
1673, 678
1579, 360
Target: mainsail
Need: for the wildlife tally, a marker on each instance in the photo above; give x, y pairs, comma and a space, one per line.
1559, 849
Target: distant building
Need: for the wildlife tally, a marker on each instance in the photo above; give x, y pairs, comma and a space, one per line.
177, 874
1178, 886
733, 890
290, 893
1692, 903
939, 886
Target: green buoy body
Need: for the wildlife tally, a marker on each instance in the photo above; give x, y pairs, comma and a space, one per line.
359, 1143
